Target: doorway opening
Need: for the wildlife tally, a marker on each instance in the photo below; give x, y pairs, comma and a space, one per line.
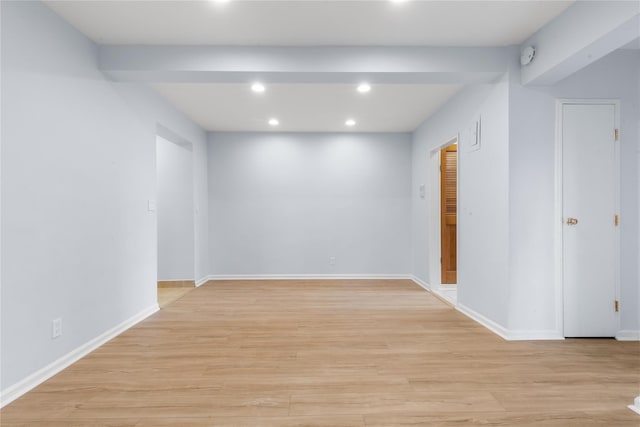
175, 220
443, 220
449, 213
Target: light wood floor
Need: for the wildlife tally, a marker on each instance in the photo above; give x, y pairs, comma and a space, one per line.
167, 295
332, 353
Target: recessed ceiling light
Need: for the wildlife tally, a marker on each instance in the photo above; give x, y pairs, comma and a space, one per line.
274, 122
258, 87
397, 1
350, 122
364, 87
220, 1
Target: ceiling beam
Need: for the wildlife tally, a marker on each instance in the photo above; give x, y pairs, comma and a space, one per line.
394, 65
581, 35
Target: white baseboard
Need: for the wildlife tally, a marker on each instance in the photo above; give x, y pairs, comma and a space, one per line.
202, 281
628, 335
531, 335
442, 294
421, 283
509, 335
13, 392
497, 329
310, 277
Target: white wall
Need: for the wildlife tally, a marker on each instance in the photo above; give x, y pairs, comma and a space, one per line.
638, 189
532, 157
175, 210
483, 196
506, 249
531, 209
506, 259
285, 203
78, 167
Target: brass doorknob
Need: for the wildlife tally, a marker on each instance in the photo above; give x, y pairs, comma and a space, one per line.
572, 221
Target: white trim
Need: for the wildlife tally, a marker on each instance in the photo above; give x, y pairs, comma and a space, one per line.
558, 218
636, 405
525, 335
413, 278
421, 283
628, 335
309, 277
509, 335
434, 240
497, 329
441, 292
558, 222
418, 281
202, 281
13, 392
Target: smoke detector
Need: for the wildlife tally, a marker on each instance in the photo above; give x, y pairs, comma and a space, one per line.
527, 55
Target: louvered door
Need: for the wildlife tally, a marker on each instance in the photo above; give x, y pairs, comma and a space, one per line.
449, 208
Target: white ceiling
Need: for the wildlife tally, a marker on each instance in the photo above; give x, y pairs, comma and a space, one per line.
307, 108
301, 107
309, 22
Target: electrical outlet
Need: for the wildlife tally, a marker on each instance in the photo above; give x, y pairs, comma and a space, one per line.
56, 328
332, 260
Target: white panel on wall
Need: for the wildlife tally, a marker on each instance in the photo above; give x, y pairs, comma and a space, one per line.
175, 211
309, 203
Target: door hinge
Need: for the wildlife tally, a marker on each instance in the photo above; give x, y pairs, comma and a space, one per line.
616, 220
616, 133
617, 305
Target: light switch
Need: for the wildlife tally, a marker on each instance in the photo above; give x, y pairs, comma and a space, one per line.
152, 206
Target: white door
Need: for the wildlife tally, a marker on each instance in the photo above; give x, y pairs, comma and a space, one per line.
589, 185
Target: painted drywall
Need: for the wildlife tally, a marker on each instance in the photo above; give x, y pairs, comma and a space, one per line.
531, 211
1, 175
78, 168
175, 211
483, 197
584, 33
523, 242
532, 195
286, 203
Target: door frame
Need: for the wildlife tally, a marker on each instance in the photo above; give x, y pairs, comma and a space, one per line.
559, 196
434, 215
